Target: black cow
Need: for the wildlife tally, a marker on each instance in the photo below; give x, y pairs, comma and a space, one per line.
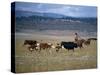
30, 42
69, 45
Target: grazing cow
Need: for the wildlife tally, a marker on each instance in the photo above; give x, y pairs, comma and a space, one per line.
30, 42
69, 45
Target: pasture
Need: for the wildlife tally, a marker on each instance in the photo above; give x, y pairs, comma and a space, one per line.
50, 60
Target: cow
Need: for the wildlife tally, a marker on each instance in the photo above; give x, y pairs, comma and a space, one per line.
44, 46
69, 45
31, 44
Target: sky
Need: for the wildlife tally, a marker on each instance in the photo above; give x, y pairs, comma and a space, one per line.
67, 10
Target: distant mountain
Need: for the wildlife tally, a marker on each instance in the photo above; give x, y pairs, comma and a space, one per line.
26, 20
20, 13
30, 16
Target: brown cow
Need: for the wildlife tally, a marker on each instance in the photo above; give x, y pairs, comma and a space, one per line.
45, 46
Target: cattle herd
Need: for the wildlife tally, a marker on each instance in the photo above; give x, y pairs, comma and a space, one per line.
38, 46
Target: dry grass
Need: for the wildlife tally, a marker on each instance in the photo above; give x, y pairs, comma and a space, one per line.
50, 60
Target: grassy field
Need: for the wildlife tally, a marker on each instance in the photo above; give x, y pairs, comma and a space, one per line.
50, 60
